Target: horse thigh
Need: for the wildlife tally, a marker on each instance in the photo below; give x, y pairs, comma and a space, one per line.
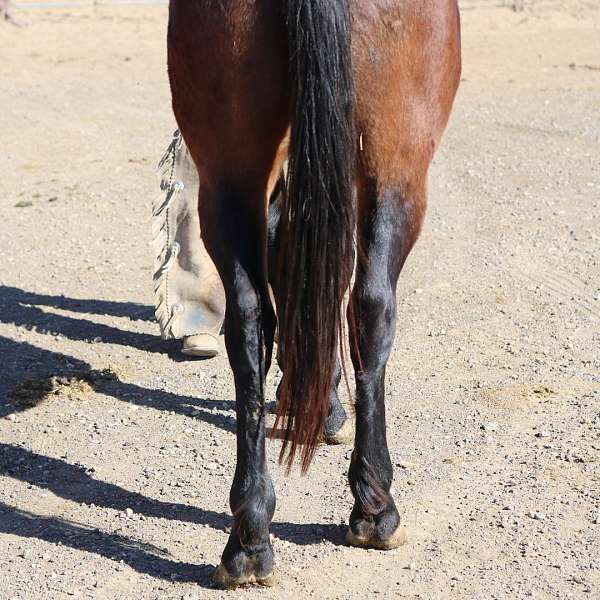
228, 75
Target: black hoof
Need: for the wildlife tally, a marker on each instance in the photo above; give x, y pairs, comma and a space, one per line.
249, 565
381, 532
224, 580
376, 542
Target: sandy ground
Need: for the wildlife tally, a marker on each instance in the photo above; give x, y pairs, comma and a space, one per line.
494, 384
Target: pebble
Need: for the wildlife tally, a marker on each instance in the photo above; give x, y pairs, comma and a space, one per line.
404, 464
490, 426
538, 515
129, 512
596, 519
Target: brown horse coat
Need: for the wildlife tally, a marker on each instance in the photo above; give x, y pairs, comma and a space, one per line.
356, 94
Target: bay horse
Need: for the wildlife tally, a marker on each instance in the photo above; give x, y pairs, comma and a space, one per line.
355, 96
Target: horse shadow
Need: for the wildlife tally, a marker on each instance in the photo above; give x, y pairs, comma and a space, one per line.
25, 309
131, 310
22, 361
142, 557
75, 483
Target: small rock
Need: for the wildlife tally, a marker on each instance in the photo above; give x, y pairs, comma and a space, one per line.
129, 512
574, 456
490, 426
404, 464
596, 519
543, 434
538, 515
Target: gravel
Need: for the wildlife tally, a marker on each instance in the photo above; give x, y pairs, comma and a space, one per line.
116, 455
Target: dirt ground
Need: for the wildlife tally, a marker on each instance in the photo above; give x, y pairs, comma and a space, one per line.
116, 456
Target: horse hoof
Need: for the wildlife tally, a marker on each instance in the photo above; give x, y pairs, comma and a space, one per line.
397, 539
223, 580
344, 436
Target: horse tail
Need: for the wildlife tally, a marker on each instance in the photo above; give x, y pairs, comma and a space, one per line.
318, 218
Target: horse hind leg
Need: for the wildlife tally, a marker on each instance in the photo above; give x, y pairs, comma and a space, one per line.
227, 67
389, 220
338, 427
234, 230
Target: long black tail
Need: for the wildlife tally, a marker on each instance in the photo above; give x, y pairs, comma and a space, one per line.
317, 218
